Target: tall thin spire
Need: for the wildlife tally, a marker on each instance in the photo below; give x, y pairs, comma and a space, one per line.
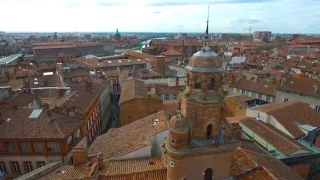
206, 36
207, 30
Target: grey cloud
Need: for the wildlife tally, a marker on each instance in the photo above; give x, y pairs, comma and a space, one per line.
156, 12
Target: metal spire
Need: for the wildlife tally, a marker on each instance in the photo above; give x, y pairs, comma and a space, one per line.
207, 31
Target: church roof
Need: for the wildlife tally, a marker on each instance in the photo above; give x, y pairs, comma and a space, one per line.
205, 61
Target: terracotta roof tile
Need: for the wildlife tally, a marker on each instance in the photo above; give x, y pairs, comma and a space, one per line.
261, 86
132, 88
172, 52
240, 99
195, 43
18, 125
297, 113
252, 166
51, 43
105, 63
52, 81
77, 99
170, 107
274, 106
22, 99
13, 83
147, 73
63, 173
281, 141
275, 167
54, 47
128, 138
302, 86
76, 73
132, 166
149, 175
141, 56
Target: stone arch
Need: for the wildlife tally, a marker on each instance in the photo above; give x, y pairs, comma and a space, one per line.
209, 131
208, 173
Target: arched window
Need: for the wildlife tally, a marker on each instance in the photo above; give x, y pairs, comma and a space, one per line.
211, 84
208, 174
197, 84
209, 131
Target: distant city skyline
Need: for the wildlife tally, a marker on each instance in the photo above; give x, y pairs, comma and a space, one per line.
226, 16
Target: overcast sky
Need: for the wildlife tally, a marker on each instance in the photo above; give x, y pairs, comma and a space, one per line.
278, 16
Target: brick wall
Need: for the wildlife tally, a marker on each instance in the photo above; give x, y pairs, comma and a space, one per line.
135, 109
234, 109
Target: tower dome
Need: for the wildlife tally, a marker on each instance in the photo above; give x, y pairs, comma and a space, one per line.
117, 34
178, 123
205, 60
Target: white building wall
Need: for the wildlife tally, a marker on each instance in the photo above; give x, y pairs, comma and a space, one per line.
157, 140
32, 159
238, 60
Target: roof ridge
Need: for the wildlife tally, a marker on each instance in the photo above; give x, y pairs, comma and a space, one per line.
58, 128
281, 136
285, 105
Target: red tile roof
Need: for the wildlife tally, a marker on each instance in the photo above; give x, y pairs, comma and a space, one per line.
261, 86
279, 140
252, 166
142, 56
128, 138
302, 86
142, 169
274, 106
297, 113
131, 89
22, 99
172, 52
196, 43
170, 107
240, 99
82, 104
18, 125
54, 47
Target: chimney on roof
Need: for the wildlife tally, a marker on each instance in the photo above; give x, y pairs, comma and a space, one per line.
80, 155
1, 118
100, 161
315, 88
89, 85
233, 79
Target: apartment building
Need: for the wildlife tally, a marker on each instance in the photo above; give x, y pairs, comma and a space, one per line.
31, 138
